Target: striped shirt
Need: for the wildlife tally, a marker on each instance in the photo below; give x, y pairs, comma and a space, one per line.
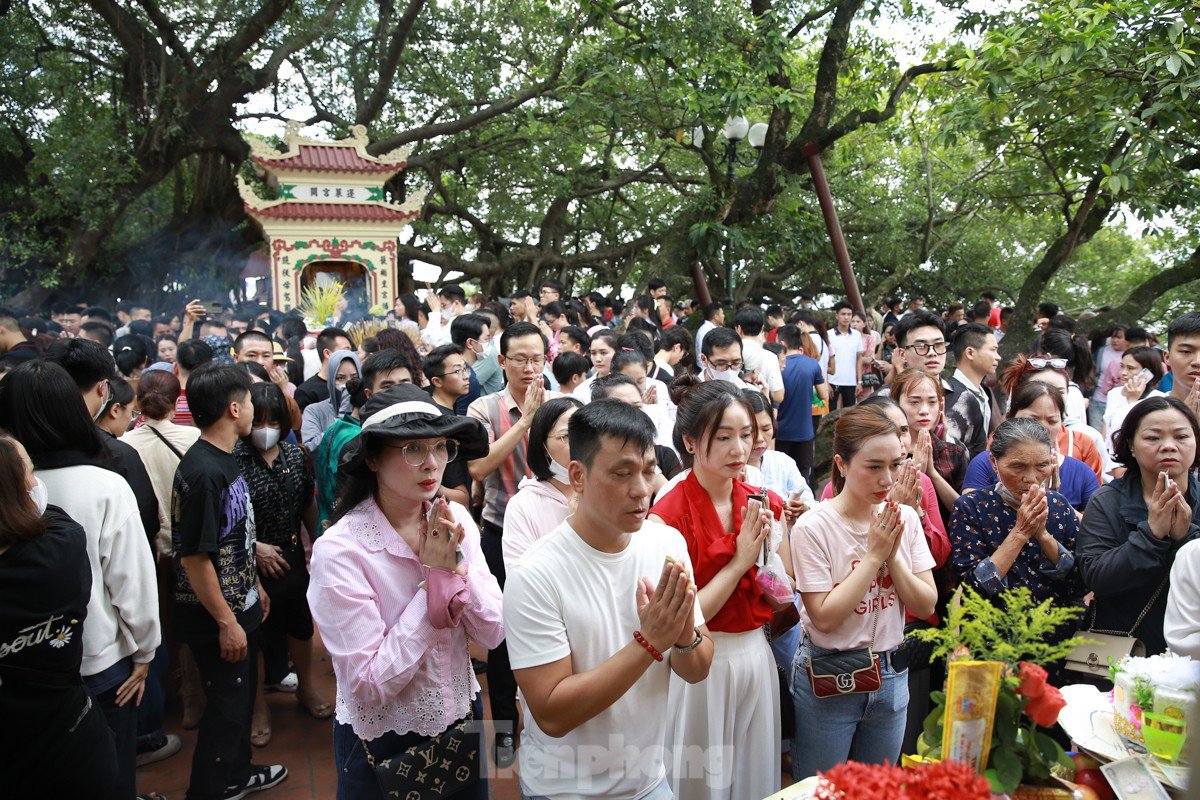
183, 414
498, 412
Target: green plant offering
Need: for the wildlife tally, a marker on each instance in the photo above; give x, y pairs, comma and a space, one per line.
319, 303
1022, 635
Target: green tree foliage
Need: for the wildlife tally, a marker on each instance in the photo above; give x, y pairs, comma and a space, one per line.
582, 141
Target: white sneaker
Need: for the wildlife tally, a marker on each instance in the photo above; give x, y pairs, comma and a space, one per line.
289, 684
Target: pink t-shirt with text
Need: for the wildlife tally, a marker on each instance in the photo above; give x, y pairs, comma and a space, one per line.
826, 549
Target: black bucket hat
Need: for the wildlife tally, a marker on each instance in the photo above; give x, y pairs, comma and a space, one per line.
405, 411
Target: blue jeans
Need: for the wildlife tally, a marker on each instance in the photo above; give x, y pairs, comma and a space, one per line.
356, 778
660, 792
862, 727
150, 712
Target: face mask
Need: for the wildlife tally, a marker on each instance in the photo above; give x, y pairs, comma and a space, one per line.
730, 375
39, 496
1008, 496
492, 348
558, 470
104, 405
264, 438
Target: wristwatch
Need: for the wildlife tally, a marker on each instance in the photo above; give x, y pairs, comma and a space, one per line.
693, 645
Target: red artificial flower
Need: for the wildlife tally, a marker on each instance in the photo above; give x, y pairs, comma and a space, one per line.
1044, 708
1033, 680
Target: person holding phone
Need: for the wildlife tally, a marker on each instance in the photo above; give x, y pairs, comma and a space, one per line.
1140, 371
861, 561
735, 713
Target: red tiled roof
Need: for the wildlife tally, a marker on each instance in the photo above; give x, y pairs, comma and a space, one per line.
359, 212
316, 158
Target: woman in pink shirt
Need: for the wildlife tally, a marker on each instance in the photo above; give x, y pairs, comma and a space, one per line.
861, 561
399, 587
543, 500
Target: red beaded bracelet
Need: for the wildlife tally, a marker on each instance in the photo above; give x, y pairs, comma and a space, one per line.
637, 637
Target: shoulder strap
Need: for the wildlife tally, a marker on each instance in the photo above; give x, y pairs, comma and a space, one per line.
1141, 616
163, 439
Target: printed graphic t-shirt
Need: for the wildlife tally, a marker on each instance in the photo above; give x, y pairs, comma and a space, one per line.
826, 549
211, 513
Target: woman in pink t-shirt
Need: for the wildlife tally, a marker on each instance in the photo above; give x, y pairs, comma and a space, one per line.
860, 561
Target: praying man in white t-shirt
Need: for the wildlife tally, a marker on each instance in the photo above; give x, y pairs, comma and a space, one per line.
597, 615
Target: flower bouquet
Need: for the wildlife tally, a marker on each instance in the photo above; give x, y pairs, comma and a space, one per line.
996, 709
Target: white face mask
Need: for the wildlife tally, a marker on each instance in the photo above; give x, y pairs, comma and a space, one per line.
39, 496
730, 375
264, 438
558, 470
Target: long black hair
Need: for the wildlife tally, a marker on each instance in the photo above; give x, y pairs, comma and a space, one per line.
41, 406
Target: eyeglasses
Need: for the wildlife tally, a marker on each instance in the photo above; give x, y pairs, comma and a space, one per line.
461, 372
520, 362
415, 453
722, 364
923, 348
1043, 363
561, 438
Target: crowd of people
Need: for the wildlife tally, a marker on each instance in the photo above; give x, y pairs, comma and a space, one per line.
661, 532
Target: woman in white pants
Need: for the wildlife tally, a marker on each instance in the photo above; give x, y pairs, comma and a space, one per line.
723, 733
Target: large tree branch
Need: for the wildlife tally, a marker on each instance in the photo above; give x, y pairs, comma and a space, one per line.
829, 68
127, 29
857, 118
167, 31
389, 143
224, 56
1143, 297
810, 18
370, 109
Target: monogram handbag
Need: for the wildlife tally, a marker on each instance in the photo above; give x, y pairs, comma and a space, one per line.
440, 767
1093, 657
849, 671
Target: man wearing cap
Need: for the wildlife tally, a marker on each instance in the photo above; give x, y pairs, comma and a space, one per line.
399, 587
507, 416
256, 346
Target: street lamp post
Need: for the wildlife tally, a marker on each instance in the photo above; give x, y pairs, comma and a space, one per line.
737, 129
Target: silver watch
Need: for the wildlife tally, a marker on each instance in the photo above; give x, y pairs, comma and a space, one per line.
693, 645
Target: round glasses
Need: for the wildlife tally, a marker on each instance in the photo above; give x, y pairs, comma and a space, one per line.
415, 453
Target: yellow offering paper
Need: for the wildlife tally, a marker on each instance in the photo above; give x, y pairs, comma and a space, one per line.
971, 691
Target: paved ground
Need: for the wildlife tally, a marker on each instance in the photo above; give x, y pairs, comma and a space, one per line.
302, 744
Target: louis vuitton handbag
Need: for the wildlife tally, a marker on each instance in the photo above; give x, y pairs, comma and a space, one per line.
849, 671
440, 767
1101, 646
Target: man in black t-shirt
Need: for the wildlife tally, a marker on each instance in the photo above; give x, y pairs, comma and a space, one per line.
219, 602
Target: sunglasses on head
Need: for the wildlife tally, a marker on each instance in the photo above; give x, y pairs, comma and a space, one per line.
1044, 363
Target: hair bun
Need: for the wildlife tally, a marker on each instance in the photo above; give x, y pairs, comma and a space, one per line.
682, 386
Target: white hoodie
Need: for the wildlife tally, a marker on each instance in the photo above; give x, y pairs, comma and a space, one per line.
122, 614
537, 508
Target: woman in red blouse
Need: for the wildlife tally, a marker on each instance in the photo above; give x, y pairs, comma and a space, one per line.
723, 735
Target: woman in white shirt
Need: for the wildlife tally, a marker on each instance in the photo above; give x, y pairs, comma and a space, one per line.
42, 408
1133, 388
860, 561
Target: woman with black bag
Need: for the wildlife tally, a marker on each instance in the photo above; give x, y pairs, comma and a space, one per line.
399, 588
281, 491
861, 560
1133, 527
